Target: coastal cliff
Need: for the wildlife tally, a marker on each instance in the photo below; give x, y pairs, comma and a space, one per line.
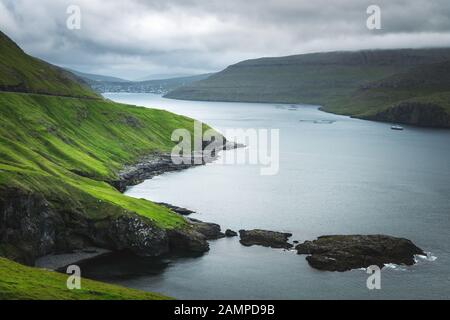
414, 113
63, 154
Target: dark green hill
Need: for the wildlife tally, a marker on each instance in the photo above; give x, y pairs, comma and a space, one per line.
420, 96
20, 72
331, 79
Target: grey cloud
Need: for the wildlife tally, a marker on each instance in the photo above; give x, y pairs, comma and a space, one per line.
135, 38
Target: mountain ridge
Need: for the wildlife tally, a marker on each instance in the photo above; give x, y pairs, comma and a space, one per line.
330, 80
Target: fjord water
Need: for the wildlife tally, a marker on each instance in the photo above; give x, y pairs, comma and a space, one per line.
342, 176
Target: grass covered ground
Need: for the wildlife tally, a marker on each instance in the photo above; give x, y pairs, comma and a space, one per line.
18, 282
68, 148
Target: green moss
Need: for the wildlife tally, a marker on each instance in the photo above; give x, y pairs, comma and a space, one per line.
18, 282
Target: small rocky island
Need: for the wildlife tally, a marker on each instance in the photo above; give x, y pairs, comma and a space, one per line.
347, 252
265, 238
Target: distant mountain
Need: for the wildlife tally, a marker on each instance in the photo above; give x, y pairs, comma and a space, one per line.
160, 86
341, 82
419, 96
95, 77
163, 76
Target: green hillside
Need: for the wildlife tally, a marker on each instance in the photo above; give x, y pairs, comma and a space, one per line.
22, 73
61, 146
419, 96
18, 282
66, 148
333, 80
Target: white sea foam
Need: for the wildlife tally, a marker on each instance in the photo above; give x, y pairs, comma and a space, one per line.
394, 266
428, 257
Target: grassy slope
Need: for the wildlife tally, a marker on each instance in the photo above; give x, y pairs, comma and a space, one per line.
333, 80
18, 282
60, 140
65, 148
20, 72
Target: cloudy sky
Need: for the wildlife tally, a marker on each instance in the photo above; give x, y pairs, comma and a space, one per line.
138, 38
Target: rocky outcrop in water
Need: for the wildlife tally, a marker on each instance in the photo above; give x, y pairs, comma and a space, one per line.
230, 233
278, 240
187, 241
179, 210
211, 231
347, 252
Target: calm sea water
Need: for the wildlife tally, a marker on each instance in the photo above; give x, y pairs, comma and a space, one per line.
345, 176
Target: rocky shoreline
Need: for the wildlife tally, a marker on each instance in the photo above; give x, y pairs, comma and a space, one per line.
130, 232
140, 236
156, 164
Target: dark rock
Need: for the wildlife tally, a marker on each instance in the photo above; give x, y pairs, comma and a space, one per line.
157, 164
230, 233
146, 168
211, 231
32, 227
415, 113
346, 252
187, 241
179, 210
265, 238
131, 232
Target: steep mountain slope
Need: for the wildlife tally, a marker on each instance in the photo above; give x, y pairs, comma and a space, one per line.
59, 153
419, 96
21, 73
331, 80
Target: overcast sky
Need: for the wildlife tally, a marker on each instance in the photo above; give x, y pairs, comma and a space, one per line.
137, 38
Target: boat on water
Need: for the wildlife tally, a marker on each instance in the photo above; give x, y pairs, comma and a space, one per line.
397, 127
